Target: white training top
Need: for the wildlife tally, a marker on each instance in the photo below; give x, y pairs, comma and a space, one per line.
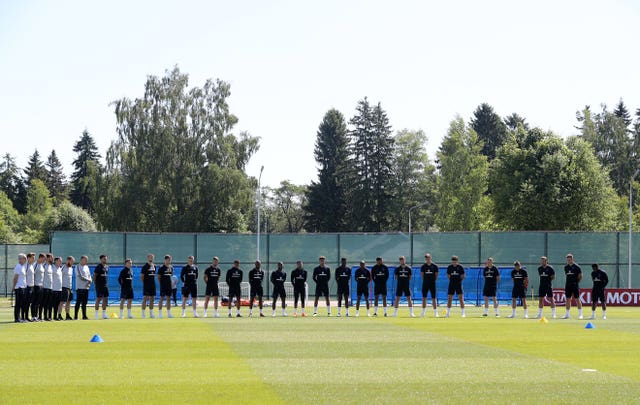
83, 277
174, 281
39, 274
67, 276
48, 276
29, 274
56, 284
21, 271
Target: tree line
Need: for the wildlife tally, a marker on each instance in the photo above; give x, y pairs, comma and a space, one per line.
176, 165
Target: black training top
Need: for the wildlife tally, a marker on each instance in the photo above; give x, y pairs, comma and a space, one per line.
299, 277
363, 277
100, 273
148, 275
343, 275
572, 272
189, 275
429, 273
125, 279
165, 272
518, 277
380, 274
213, 275
255, 277
234, 277
545, 273
600, 279
455, 273
278, 278
490, 275
321, 275
403, 274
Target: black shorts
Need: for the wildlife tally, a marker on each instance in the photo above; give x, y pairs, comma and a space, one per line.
429, 288
212, 290
102, 292
518, 292
545, 291
455, 289
279, 292
166, 291
489, 291
149, 291
572, 289
256, 291
403, 289
343, 290
55, 297
298, 292
322, 290
126, 293
66, 294
379, 289
363, 290
190, 290
235, 291
598, 294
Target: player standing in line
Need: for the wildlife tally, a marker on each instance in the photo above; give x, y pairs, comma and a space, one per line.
343, 276
19, 285
28, 292
256, 276
379, 275
547, 274
174, 289
165, 273
321, 276
233, 279
278, 278
520, 282
100, 274
429, 273
402, 274
38, 280
148, 278
600, 281
363, 278
455, 274
56, 289
83, 282
67, 285
211, 277
47, 283
125, 279
491, 276
299, 279
189, 277
573, 274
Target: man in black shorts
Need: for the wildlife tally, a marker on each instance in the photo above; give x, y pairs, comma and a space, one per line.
455, 274
402, 275
211, 278
100, 274
321, 276
125, 279
600, 281
343, 276
573, 274
429, 272
256, 276
547, 274
165, 273
278, 278
148, 278
363, 278
379, 275
233, 279
299, 280
189, 277
520, 283
491, 276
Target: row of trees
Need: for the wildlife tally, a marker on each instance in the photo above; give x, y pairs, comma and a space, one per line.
176, 165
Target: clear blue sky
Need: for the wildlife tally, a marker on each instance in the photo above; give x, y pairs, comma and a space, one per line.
288, 62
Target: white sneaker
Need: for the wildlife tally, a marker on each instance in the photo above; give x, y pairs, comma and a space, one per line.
152, 316
538, 316
511, 316
604, 317
169, 315
338, 315
463, 316
204, 315
566, 316
592, 317
526, 317
195, 315
413, 315
357, 315
580, 317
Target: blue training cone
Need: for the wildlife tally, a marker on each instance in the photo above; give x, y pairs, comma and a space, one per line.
96, 339
589, 325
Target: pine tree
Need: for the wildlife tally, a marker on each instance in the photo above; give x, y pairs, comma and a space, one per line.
12, 184
622, 113
491, 131
86, 167
35, 169
56, 182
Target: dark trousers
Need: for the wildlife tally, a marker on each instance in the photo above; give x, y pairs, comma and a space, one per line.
18, 293
26, 302
82, 296
174, 294
55, 303
36, 301
46, 303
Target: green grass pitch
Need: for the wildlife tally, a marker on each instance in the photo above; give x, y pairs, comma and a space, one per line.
323, 360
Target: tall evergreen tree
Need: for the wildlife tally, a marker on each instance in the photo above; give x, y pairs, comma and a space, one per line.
12, 184
492, 132
56, 182
326, 205
513, 120
35, 169
621, 112
86, 169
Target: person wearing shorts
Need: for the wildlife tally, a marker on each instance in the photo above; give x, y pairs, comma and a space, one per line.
363, 278
343, 276
148, 278
456, 275
189, 278
600, 281
429, 272
100, 274
491, 276
67, 285
299, 280
402, 274
278, 278
234, 280
573, 274
321, 276
256, 276
380, 276
125, 279
547, 275
211, 278
165, 274
520, 282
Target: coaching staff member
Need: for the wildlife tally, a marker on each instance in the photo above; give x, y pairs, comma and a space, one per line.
278, 278
233, 279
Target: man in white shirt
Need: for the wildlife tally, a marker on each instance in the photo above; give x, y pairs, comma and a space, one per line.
29, 276
83, 282
56, 289
67, 285
38, 279
19, 287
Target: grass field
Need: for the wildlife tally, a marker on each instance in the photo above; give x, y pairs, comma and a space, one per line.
322, 360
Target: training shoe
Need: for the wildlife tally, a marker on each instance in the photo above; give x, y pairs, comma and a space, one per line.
295, 314
196, 315
304, 315
385, 315
273, 315
169, 315
357, 315
338, 315
580, 317
229, 315
604, 317
238, 316
375, 314
463, 316
511, 316
497, 315
592, 317
315, 314
412, 316
484, 314
526, 317
538, 316
566, 316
